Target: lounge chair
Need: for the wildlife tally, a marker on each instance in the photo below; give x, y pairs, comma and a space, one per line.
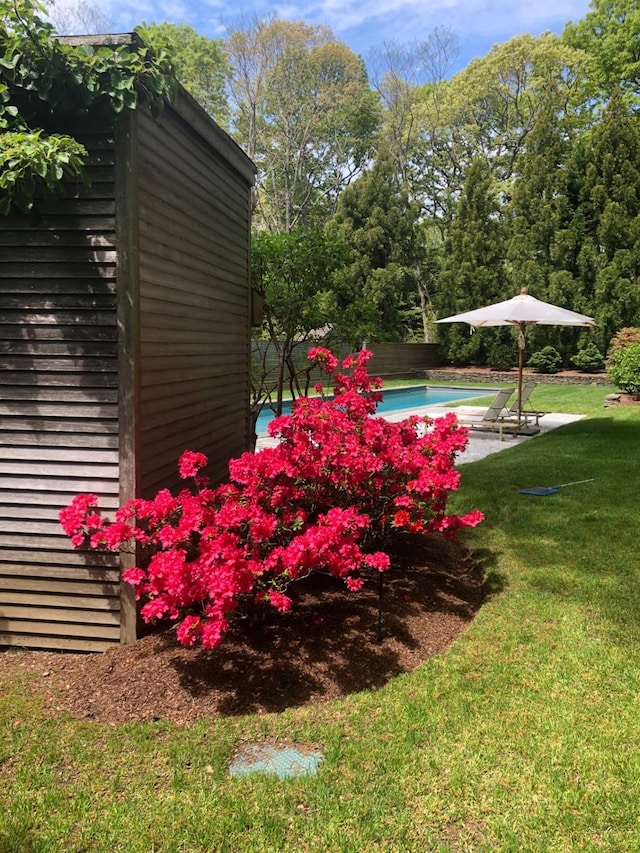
498, 418
526, 410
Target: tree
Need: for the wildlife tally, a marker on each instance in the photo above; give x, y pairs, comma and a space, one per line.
488, 111
303, 110
608, 34
378, 288
41, 78
607, 219
473, 272
200, 63
292, 273
398, 73
541, 225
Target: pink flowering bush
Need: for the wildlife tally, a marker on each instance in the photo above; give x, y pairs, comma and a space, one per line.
328, 497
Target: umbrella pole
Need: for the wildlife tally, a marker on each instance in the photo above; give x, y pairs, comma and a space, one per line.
521, 328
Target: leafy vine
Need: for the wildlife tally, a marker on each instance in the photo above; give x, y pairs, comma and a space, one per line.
42, 77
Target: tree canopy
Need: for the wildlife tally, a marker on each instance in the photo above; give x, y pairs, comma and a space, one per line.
447, 191
200, 64
303, 110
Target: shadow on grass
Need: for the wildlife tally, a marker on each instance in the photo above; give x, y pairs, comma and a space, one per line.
581, 541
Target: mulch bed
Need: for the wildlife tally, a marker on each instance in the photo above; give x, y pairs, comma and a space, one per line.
324, 648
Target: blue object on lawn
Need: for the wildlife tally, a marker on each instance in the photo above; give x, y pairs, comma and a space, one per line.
541, 491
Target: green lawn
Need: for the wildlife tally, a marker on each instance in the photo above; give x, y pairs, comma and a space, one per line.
524, 736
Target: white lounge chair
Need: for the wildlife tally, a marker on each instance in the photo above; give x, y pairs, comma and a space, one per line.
498, 418
526, 409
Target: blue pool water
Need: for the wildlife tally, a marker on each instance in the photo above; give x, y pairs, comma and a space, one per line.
396, 399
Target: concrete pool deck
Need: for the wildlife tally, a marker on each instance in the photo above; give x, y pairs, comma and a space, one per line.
481, 444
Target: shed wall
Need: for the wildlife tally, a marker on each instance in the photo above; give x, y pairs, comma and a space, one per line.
194, 244
58, 411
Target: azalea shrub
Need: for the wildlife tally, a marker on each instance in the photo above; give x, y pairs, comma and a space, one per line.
328, 497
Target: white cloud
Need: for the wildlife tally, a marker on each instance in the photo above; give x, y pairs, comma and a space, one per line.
365, 25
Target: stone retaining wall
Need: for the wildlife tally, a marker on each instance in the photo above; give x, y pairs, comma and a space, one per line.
563, 378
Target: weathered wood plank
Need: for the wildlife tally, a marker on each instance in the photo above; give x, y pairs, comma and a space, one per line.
79, 316
69, 644
98, 412
65, 256
62, 239
68, 455
42, 351
80, 573
40, 428
197, 229
175, 328
45, 505
103, 374
36, 302
190, 373
21, 370
181, 157
56, 270
31, 527
55, 629
175, 270
57, 469
80, 208
58, 222
93, 561
79, 371
57, 593
37, 393
68, 331
40, 441
16, 543
69, 484
62, 615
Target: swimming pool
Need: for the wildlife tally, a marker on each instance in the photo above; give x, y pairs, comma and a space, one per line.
396, 399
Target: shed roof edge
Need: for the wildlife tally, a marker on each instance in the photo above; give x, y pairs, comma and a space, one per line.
184, 104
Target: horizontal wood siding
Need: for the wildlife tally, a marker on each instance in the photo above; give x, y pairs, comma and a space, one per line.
59, 412
389, 359
194, 237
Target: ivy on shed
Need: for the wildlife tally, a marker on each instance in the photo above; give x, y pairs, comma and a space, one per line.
42, 76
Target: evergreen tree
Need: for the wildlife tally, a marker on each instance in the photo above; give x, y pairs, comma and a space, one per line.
378, 288
540, 227
473, 271
608, 217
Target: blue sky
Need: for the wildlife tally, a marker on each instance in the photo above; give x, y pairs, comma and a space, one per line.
365, 24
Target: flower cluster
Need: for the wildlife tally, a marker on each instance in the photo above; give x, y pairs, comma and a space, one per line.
328, 497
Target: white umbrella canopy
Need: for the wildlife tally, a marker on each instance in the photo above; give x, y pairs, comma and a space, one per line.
521, 311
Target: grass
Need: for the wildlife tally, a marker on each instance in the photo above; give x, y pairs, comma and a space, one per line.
522, 737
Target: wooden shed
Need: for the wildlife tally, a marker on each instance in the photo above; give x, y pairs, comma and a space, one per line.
124, 340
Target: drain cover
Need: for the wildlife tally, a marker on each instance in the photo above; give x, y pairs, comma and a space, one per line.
283, 761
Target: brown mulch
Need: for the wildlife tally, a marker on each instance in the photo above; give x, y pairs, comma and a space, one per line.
628, 400
324, 648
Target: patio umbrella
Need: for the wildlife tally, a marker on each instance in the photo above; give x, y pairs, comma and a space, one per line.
521, 311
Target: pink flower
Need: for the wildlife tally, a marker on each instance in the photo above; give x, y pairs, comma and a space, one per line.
190, 464
379, 561
280, 601
189, 630
338, 480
